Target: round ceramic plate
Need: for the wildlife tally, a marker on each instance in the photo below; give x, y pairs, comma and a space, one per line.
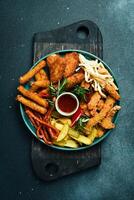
31, 127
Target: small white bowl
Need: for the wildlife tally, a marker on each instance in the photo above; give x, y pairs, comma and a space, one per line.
66, 113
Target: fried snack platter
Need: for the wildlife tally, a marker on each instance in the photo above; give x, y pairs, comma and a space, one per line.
81, 74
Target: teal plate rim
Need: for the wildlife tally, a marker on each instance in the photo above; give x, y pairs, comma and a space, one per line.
97, 140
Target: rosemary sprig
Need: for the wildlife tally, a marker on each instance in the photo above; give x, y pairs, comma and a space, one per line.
80, 92
61, 86
51, 103
57, 91
80, 125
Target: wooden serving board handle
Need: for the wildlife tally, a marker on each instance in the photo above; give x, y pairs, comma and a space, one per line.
48, 163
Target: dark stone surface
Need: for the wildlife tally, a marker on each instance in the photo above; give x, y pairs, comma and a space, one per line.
19, 21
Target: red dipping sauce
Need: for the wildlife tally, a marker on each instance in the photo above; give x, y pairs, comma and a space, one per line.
67, 103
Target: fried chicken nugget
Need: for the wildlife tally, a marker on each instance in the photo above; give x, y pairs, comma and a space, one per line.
74, 79
92, 104
100, 104
112, 92
102, 114
107, 121
56, 66
71, 62
33, 96
31, 104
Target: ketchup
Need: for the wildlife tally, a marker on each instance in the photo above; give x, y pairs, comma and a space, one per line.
67, 103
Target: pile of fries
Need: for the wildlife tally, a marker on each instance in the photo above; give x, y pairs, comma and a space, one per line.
92, 84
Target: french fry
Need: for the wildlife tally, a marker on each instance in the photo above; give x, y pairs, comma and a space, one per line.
33, 96
71, 143
31, 104
82, 139
65, 120
41, 83
26, 77
60, 143
59, 126
63, 132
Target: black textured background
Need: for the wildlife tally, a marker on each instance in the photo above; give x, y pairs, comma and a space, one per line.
19, 20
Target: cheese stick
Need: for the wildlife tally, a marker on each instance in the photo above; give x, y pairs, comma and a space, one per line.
26, 77
31, 104
33, 96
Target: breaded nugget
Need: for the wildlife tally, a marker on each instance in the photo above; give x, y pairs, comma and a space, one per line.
94, 101
107, 121
33, 96
112, 92
100, 104
74, 79
101, 115
56, 66
85, 84
71, 62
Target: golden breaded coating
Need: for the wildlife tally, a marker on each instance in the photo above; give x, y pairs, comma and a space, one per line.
112, 92
71, 62
107, 121
102, 114
41, 75
41, 83
85, 84
31, 104
33, 96
74, 79
83, 106
100, 104
56, 66
94, 101
26, 77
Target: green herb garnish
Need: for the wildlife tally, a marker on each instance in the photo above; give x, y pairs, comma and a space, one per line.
51, 103
80, 125
80, 92
61, 86
57, 91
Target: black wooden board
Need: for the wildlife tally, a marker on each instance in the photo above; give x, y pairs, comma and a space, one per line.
48, 163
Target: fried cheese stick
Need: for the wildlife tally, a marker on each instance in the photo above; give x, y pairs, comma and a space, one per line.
31, 104
33, 96
41, 83
26, 77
